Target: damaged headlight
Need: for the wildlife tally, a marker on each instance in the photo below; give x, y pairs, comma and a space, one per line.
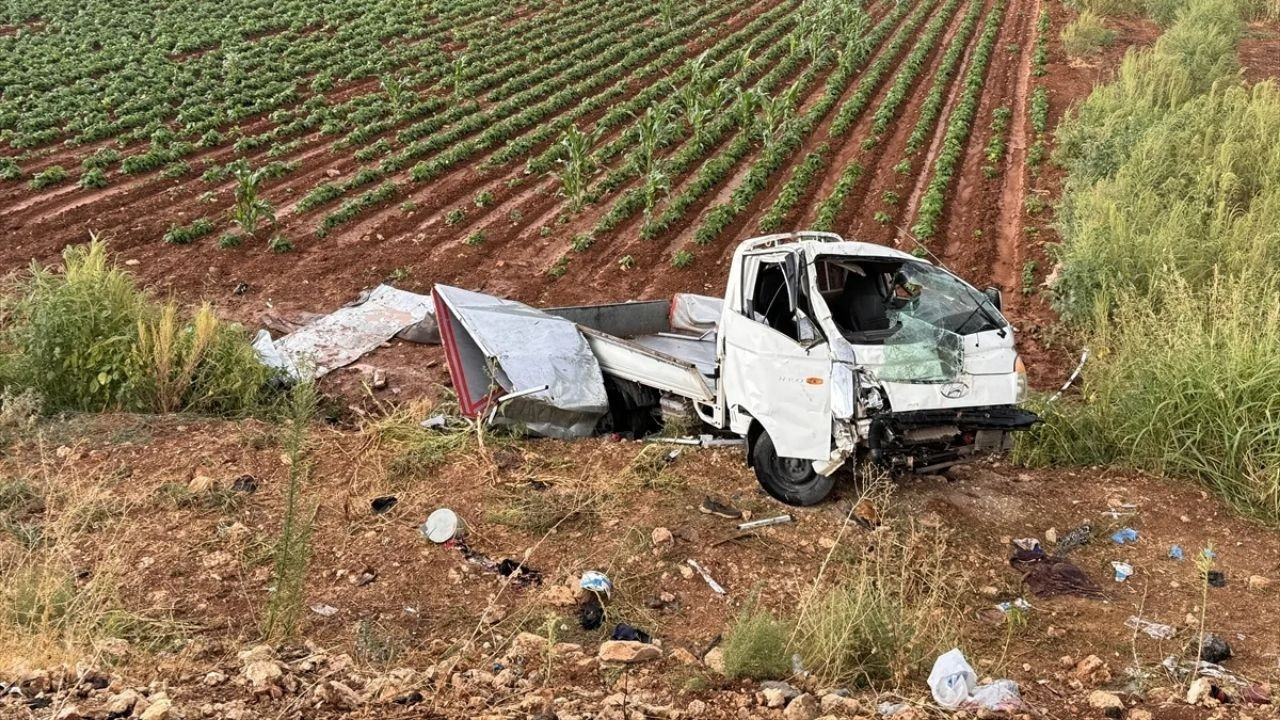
873, 400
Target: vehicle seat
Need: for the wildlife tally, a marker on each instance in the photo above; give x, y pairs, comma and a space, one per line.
864, 311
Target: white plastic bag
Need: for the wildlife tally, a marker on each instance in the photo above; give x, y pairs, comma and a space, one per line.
955, 687
952, 680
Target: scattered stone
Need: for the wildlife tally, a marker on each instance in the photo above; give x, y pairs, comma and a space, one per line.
561, 595
684, 657
789, 691
1092, 669
333, 172
1199, 691
989, 591
201, 484
334, 694
686, 572
69, 712
772, 698
157, 710
628, 652
695, 708
1259, 582
1138, 714
837, 704
121, 704
714, 660
263, 674
661, 536
528, 644
1051, 536
1109, 703
214, 679
804, 707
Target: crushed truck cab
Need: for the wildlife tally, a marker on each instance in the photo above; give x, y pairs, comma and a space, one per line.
822, 351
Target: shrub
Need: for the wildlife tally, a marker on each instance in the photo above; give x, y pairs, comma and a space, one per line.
756, 646
1186, 381
1086, 35
88, 339
888, 618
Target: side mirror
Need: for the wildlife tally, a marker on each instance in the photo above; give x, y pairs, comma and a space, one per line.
993, 295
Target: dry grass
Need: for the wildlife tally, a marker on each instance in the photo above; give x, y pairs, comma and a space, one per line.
60, 600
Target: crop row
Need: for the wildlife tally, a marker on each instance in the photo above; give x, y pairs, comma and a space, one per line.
958, 127
859, 43
911, 68
931, 108
503, 121
776, 153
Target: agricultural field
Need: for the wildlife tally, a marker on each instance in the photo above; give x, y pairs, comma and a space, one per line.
307, 152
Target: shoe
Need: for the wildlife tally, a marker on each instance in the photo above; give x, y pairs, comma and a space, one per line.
715, 506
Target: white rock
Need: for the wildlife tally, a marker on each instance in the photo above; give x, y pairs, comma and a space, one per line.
804, 707
627, 652
159, 710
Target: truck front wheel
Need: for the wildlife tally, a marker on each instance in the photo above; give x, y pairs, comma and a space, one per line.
790, 480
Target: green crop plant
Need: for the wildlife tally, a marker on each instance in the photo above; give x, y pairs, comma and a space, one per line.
250, 208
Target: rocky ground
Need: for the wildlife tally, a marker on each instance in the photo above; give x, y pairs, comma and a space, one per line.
180, 515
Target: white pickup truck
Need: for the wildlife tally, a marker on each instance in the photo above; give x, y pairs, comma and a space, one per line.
822, 351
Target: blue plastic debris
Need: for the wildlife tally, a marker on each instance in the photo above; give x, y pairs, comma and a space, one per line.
596, 582
1124, 535
1175, 552
1123, 570
1208, 554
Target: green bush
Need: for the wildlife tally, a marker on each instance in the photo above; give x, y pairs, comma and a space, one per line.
1199, 194
89, 339
1185, 380
1086, 35
756, 646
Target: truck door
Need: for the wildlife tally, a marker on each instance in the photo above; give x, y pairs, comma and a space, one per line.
776, 364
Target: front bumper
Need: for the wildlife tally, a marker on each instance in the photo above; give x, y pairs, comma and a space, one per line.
927, 440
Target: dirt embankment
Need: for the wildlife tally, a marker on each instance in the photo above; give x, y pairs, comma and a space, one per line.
393, 625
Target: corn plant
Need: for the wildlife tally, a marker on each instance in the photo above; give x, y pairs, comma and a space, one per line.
250, 209
576, 164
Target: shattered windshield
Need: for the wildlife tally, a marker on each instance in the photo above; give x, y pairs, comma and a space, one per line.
908, 317
926, 293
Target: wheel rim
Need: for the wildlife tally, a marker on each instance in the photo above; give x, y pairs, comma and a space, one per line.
793, 472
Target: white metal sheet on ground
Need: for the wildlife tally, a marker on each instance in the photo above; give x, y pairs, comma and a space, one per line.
343, 336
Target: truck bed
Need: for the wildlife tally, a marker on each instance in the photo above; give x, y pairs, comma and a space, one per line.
637, 341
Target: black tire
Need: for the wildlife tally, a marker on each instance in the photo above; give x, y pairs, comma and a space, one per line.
788, 480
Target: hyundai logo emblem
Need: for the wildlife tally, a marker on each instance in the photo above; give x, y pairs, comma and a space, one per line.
955, 390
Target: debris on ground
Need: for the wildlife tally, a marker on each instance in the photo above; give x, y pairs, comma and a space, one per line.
1123, 570
380, 505
443, 525
245, 484
1028, 544
342, 337
1049, 576
1019, 604
324, 610
1156, 630
591, 613
954, 686
1216, 578
1077, 537
596, 582
766, 522
1213, 649
1124, 536
715, 586
1175, 552
630, 633
865, 514
712, 505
